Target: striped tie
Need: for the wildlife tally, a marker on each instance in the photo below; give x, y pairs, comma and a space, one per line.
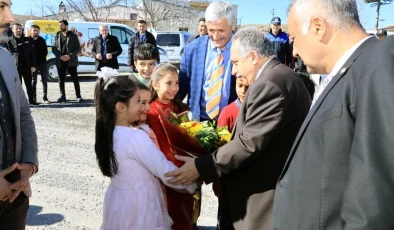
215, 86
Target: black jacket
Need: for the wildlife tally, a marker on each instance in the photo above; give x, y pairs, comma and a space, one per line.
41, 50
29, 56
73, 48
113, 47
135, 42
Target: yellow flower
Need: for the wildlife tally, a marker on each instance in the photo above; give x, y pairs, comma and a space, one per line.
195, 129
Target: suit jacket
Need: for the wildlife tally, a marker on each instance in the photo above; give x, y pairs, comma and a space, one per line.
73, 48
339, 174
113, 47
26, 137
275, 106
191, 75
29, 53
135, 42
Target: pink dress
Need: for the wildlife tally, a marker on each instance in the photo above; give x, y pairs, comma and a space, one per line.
134, 199
153, 137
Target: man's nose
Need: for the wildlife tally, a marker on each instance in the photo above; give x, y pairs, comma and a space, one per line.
215, 35
234, 71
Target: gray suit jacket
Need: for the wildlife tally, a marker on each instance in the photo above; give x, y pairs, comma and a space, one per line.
340, 172
26, 137
275, 106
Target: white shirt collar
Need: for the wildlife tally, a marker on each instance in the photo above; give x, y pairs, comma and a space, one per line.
262, 68
346, 56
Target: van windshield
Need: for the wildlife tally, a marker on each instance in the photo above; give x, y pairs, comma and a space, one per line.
168, 40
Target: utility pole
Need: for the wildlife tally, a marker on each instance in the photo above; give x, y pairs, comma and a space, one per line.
273, 12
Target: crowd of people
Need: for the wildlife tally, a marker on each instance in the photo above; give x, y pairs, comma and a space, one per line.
296, 159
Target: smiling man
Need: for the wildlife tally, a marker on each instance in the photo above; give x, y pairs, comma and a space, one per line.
205, 70
18, 142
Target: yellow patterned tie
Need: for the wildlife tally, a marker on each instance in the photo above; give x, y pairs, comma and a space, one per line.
215, 86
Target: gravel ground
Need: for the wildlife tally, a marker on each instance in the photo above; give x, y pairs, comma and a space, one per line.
68, 191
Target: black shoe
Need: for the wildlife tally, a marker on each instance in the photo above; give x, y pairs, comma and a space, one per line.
33, 103
61, 100
79, 99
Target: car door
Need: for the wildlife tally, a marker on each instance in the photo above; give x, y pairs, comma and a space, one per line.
123, 35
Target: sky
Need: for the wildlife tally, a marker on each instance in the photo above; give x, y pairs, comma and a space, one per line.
249, 11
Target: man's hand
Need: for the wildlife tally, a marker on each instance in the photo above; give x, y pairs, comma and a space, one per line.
26, 171
5, 190
33, 69
63, 58
186, 175
99, 57
109, 56
67, 57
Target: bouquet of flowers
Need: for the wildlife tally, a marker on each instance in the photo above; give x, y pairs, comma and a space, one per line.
192, 138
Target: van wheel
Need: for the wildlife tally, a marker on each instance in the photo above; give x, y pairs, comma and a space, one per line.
52, 71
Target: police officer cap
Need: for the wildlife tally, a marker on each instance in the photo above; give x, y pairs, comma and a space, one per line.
276, 21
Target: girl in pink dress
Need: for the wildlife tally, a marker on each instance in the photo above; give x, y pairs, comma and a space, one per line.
128, 156
145, 96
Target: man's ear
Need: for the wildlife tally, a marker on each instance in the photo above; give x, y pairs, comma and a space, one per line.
255, 57
233, 27
318, 27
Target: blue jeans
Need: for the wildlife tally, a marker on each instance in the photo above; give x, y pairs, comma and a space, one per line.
42, 68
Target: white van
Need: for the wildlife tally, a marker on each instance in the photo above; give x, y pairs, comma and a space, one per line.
174, 43
85, 31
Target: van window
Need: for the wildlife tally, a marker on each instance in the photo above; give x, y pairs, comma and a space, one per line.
186, 37
168, 40
122, 34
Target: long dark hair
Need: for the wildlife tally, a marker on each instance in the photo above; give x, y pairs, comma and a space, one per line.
106, 94
157, 74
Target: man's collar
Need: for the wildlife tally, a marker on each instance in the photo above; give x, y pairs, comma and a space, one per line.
263, 66
228, 45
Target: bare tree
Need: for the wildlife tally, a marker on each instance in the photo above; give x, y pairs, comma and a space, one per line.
92, 10
378, 4
156, 12
51, 10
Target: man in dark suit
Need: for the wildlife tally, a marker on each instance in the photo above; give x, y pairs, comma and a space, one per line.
208, 93
26, 60
274, 108
106, 49
339, 174
141, 37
